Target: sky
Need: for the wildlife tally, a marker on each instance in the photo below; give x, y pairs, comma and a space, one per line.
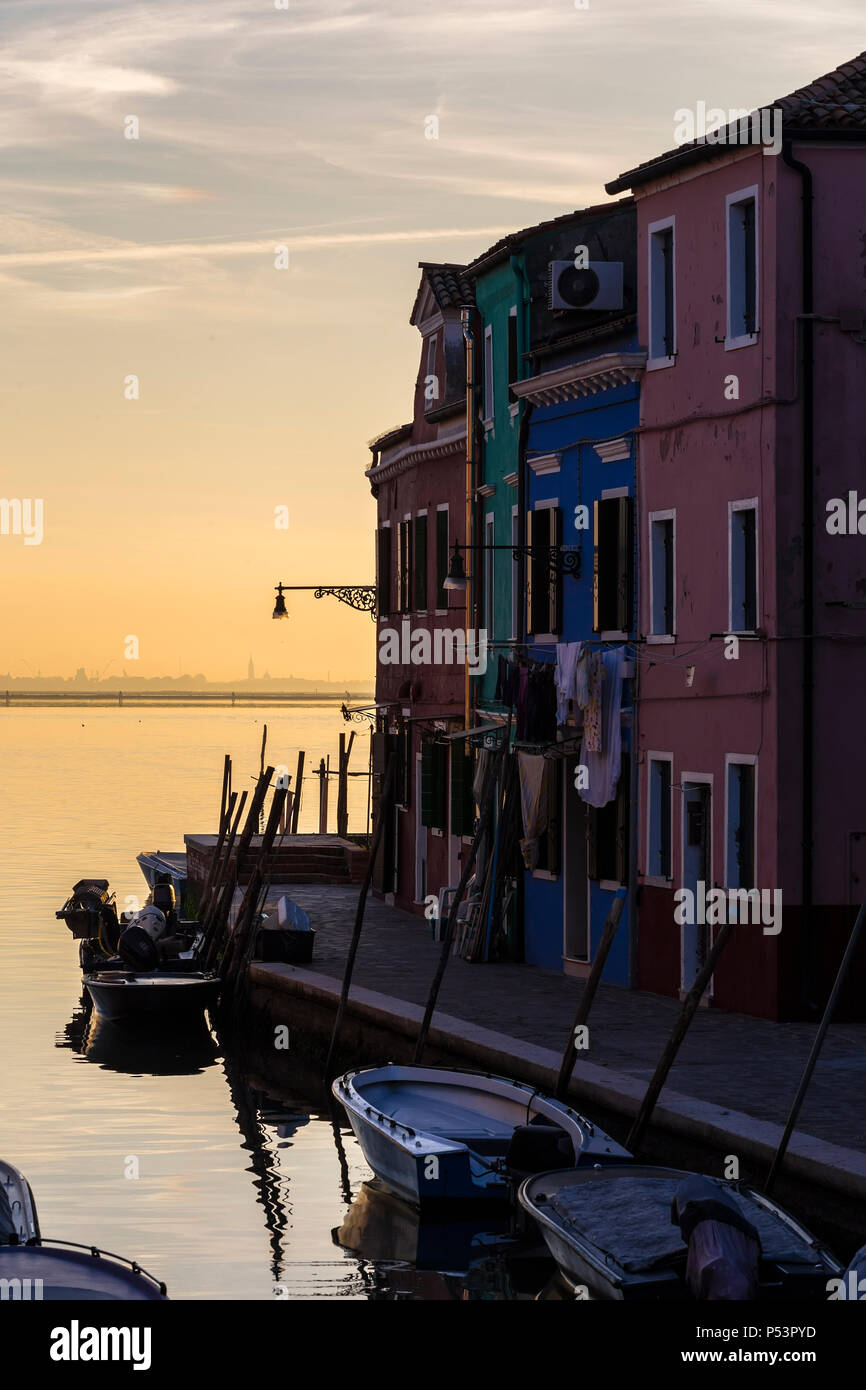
258, 388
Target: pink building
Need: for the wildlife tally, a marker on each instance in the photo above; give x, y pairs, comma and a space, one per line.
752, 671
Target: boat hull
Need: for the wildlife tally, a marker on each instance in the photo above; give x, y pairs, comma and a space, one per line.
437, 1136
120, 997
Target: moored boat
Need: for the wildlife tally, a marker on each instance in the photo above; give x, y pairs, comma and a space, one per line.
432, 1134
641, 1232
34, 1268
121, 995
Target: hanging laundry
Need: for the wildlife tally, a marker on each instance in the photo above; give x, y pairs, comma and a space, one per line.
603, 768
567, 657
592, 717
534, 771
521, 701
581, 677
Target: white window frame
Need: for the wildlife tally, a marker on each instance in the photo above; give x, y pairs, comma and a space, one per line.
515, 574
489, 572
733, 343
660, 638
422, 512
744, 504
656, 880
658, 362
441, 507
488, 396
750, 760
547, 504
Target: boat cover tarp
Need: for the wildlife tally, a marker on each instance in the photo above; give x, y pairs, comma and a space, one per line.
629, 1218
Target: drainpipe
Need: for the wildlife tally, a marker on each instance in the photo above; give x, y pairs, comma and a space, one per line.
469, 340
808, 450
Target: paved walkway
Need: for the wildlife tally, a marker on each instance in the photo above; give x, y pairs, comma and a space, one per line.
728, 1059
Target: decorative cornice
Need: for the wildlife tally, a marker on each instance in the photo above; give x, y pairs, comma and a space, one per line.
582, 378
414, 454
510, 479
612, 450
545, 463
486, 490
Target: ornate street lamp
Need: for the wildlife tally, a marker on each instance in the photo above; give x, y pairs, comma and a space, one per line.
561, 559
360, 596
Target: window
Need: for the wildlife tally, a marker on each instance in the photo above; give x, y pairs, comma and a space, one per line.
612, 564
544, 585
659, 820
740, 859
489, 569
462, 799
742, 274
661, 574
434, 784
513, 365
662, 299
404, 576
608, 833
488, 376
515, 574
743, 566
383, 571
431, 356
420, 563
441, 556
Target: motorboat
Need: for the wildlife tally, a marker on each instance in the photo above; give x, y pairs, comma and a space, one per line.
122, 995
433, 1134
38, 1269
641, 1232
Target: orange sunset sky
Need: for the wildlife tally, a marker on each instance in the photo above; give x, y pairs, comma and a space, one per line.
154, 257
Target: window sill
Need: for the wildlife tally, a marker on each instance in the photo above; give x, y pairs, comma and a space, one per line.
653, 881
657, 364
659, 639
545, 875
435, 831
609, 885
734, 344
612, 635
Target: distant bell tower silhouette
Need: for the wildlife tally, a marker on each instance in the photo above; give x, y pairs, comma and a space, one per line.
251, 671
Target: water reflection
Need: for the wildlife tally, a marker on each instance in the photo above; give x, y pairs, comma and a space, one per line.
137, 1050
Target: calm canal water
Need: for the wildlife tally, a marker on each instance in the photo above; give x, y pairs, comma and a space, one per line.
238, 1191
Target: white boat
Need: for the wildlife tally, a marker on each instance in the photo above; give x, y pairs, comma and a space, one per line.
612, 1233
432, 1134
35, 1269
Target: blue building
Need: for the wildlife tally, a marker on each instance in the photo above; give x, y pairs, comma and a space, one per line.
558, 403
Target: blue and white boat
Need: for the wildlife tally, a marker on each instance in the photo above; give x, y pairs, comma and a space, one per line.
432, 1134
37, 1269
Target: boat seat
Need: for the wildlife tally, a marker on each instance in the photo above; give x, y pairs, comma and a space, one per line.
419, 1109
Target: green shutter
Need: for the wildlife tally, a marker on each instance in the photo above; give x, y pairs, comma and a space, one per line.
428, 783
420, 563
555, 578
441, 559
462, 800
383, 571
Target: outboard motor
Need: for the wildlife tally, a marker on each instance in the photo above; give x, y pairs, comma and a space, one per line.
136, 945
163, 896
724, 1247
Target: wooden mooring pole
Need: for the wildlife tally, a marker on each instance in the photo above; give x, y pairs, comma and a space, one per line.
386, 806
778, 1157
569, 1056
672, 1047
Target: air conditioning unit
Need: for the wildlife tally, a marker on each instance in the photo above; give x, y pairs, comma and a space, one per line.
595, 286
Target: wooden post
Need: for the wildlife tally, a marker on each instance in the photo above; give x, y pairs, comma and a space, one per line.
569, 1056
385, 808
296, 803
779, 1155
666, 1061
323, 798
484, 823
249, 830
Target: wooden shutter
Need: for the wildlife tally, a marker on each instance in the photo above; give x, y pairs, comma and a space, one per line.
420, 563
625, 567
622, 802
383, 570
441, 559
596, 606
405, 576
434, 782
538, 570
513, 365
555, 577
462, 800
